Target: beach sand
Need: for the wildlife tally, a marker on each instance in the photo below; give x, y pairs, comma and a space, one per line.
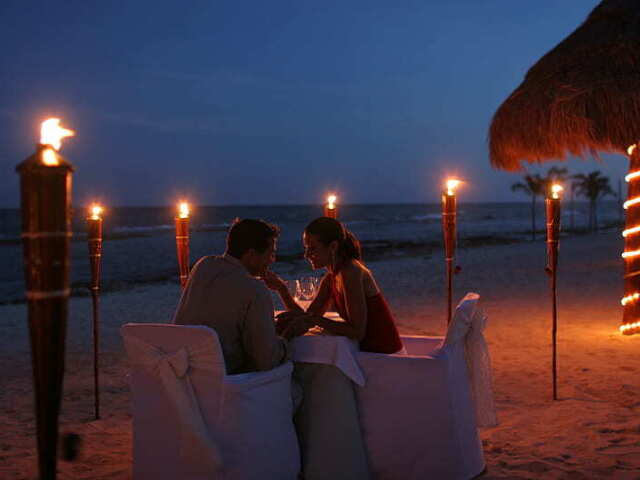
592, 431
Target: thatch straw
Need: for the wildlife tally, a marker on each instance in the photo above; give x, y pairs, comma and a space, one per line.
581, 97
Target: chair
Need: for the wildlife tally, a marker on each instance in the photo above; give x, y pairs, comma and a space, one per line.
193, 421
416, 408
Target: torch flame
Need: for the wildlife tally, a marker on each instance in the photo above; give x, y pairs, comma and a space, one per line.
556, 190
183, 210
331, 201
452, 184
51, 133
49, 157
631, 149
96, 212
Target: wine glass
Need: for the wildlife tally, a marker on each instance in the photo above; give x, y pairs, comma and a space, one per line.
307, 289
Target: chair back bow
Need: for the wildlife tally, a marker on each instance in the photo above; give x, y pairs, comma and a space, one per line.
172, 369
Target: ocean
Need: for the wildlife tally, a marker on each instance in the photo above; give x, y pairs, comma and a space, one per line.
139, 243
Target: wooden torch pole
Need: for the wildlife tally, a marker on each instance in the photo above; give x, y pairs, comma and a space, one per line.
449, 236
182, 242
552, 204
94, 238
45, 203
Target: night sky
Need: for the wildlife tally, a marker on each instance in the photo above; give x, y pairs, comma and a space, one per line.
271, 102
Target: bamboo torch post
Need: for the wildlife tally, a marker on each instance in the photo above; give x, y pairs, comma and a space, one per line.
552, 204
331, 207
631, 313
449, 235
182, 242
45, 202
94, 239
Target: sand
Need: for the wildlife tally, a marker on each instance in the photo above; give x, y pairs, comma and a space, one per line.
592, 431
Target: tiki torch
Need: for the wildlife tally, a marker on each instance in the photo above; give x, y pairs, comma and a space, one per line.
94, 238
552, 204
182, 242
45, 202
330, 208
631, 314
449, 234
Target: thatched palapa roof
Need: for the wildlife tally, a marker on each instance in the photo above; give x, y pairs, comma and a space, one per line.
581, 97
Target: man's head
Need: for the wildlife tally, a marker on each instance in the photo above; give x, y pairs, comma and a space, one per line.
253, 242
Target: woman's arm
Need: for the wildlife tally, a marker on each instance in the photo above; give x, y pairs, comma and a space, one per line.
353, 327
320, 304
275, 283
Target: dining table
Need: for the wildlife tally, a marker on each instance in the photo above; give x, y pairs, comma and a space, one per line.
320, 346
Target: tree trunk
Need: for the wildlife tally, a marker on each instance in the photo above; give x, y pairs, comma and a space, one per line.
533, 218
595, 214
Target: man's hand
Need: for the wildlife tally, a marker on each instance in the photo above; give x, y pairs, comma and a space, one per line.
298, 326
273, 281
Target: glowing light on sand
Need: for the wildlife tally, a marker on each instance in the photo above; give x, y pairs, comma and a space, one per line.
51, 133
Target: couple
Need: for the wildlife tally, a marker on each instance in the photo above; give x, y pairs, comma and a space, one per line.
230, 293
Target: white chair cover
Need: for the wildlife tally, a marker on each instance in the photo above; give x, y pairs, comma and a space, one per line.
196, 444
468, 324
192, 421
417, 413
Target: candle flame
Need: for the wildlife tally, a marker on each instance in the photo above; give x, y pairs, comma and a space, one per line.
556, 189
631, 149
51, 133
96, 212
49, 158
331, 201
183, 210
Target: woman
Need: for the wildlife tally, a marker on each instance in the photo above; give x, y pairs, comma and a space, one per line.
349, 284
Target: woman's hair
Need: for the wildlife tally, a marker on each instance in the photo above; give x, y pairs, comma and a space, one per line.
328, 230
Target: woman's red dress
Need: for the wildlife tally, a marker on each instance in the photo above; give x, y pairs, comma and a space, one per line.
381, 334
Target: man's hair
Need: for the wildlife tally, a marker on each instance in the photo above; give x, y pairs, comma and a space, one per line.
249, 233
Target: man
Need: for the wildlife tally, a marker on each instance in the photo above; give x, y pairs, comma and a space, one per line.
223, 293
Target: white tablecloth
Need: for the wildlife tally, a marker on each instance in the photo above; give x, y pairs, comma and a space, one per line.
321, 347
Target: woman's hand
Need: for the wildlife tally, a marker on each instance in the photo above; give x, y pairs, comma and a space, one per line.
273, 281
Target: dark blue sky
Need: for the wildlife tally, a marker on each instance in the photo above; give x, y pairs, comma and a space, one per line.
231, 102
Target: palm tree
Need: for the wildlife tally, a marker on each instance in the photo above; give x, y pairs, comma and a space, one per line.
593, 186
533, 186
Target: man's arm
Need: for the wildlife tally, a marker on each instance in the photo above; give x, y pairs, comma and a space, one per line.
261, 344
